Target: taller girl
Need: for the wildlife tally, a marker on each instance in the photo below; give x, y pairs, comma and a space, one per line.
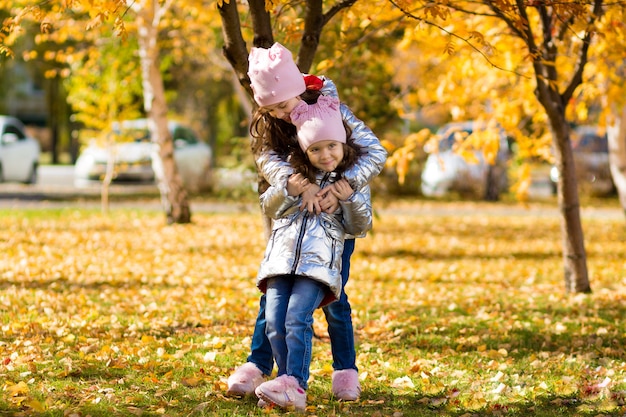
279, 87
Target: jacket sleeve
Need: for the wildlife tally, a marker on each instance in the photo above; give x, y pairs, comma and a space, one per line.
357, 212
276, 203
371, 163
273, 168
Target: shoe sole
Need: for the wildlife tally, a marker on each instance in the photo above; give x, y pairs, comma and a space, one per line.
269, 401
236, 394
233, 392
346, 399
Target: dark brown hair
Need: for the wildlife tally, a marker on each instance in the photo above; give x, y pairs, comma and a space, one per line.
300, 161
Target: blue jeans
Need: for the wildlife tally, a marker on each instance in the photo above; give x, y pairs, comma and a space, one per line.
339, 318
291, 301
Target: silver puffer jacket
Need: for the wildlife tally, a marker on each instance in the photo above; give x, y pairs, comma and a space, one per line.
276, 170
306, 244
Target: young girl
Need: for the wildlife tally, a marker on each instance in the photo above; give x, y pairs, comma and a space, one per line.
279, 86
301, 268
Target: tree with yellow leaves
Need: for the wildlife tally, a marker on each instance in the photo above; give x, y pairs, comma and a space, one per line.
523, 64
150, 22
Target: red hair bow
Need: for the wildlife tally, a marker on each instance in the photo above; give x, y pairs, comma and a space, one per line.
313, 83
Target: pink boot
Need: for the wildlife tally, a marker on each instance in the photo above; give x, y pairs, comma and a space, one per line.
346, 386
244, 380
283, 391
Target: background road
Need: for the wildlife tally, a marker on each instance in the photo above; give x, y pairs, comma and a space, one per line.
59, 179
55, 189
57, 182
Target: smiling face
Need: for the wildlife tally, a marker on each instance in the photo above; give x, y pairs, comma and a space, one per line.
325, 155
283, 109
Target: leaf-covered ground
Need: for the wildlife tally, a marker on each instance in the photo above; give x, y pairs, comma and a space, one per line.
460, 310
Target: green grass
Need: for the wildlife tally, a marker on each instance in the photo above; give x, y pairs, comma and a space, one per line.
459, 310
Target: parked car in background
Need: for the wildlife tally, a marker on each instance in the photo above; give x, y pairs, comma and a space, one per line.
134, 152
590, 146
19, 153
445, 170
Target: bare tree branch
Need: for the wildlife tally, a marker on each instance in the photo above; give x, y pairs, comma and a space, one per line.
339, 6
261, 24
234, 48
577, 79
313, 24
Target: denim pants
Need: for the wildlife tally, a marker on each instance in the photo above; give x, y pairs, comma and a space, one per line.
291, 301
339, 318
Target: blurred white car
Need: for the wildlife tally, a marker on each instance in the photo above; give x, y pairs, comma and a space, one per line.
19, 153
590, 146
133, 157
446, 170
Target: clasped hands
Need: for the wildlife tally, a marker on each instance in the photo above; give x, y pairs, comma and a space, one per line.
316, 199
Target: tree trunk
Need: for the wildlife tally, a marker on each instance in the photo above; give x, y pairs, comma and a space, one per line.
555, 103
173, 194
236, 53
574, 255
616, 133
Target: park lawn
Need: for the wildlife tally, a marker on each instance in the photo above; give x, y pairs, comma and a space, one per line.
457, 313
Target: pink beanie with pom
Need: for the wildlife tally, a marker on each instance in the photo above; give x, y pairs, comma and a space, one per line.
274, 76
319, 121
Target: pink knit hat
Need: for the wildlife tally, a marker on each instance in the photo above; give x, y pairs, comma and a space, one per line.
319, 121
274, 75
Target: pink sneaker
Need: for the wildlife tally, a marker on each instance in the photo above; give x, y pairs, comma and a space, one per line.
244, 380
346, 386
283, 391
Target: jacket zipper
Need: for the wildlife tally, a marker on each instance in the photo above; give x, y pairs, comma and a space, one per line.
296, 258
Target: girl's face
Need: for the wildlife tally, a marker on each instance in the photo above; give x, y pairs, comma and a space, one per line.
325, 155
283, 109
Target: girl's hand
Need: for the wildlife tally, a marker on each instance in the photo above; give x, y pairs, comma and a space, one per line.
310, 200
342, 190
328, 200
296, 184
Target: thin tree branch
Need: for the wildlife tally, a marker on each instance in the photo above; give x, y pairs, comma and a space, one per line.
454, 35
577, 79
510, 23
339, 6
